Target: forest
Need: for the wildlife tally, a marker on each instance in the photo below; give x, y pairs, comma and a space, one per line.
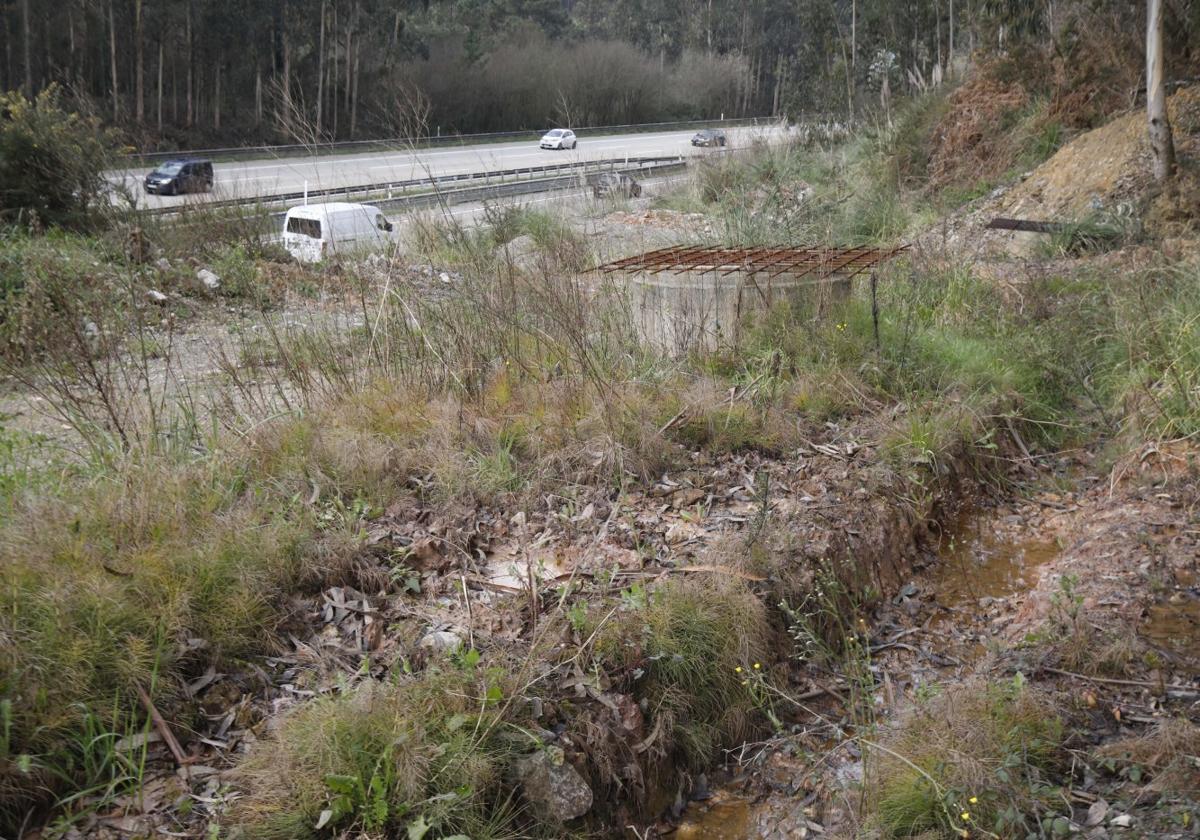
191, 72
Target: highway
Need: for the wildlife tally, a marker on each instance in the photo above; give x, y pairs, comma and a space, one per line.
252, 179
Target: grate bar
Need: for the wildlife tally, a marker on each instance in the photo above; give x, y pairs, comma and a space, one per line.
773, 261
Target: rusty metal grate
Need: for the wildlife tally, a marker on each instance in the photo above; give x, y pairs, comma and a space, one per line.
771, 261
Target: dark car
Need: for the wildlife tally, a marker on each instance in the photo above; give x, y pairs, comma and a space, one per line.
616, 184
708, 137
183, 175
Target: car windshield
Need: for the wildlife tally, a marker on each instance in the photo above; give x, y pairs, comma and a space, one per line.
557, 132
171, 168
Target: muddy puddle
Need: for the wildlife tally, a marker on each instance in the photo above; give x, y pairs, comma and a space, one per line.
982, 557
727, 817
1174, 622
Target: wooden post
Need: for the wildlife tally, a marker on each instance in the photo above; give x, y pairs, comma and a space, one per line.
875, 311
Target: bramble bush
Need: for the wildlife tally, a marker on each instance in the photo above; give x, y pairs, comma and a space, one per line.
52, 161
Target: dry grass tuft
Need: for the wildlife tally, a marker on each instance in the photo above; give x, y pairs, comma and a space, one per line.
1170, 755
688, 638
433, 750
981, 749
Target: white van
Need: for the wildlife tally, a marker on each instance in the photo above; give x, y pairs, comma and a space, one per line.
313, 232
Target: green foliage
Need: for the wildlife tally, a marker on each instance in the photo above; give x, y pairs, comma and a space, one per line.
52, 162
427, 753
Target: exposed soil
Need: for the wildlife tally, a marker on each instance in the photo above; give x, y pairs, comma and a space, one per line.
1103, 174
992, 600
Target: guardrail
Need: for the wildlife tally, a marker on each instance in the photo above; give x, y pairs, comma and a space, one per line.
515, 188
390, 144
382, 192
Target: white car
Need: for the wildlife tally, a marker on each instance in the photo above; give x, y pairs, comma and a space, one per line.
559, 138
313, 232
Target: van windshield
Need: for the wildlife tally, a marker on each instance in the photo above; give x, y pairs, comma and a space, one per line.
171, 168
305, 227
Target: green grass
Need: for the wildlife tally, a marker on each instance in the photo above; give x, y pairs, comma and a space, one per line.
689, 638
433, 752
976, 756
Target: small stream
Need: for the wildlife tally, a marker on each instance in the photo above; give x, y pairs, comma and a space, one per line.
979, 559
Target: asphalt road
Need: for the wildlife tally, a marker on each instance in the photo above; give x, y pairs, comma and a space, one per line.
254, 178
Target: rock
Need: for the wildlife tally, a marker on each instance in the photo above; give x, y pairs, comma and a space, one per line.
209, 280
91, 331
155, 296
1123, 821
442, 641
1097, 812
678, 532
162, 264
553, 788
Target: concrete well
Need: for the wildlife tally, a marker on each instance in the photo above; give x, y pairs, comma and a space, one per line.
682, 311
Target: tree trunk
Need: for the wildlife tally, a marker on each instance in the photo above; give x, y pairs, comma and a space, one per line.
352, 23
6, 37
853, 37
937, 14
160, 85
1162, 144
321, 69
26, 37
287, 83
112, 51
950, 60
708, 27
333, 71
188, 47
354, 97
217, 97
71, 44
139, 72
257, 94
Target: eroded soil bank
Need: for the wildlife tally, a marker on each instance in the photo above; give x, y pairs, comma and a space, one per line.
1085, 588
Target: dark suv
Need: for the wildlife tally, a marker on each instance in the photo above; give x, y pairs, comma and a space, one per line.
183, 175
708, 137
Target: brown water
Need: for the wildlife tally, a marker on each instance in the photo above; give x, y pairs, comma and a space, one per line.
726, 817
1174, 622
976, 561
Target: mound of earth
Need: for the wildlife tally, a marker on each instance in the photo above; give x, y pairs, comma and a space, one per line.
1104, 168
1101, 174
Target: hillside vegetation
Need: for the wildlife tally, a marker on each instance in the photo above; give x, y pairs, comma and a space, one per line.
433, 543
